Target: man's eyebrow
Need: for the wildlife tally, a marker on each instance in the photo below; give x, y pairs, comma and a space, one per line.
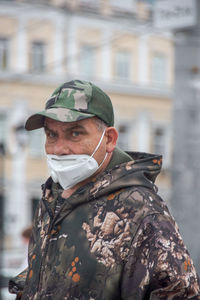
72, 127
47, 128
75, 126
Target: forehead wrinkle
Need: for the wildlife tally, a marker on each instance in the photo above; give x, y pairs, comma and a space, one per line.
64, 126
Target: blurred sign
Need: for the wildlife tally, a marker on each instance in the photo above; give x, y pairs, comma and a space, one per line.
175, 14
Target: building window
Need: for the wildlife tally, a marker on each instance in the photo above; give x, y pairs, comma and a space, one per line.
124, 136
161, 143
38, 57
3, 133
89, 3
159, 140
151, 2
87, 60
159, 69
122, 65
125, 6
4, 53
3, 127
36, 143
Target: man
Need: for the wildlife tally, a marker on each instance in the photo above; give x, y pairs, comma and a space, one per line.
100, 231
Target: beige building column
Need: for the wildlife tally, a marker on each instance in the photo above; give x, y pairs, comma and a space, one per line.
106, 55
59, 57
143, 131
72, 48
17, 207
21, 44
143, 64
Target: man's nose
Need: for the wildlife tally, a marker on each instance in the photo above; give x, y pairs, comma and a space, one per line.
61, 147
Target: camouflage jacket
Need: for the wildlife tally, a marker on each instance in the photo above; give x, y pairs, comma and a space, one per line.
112, 239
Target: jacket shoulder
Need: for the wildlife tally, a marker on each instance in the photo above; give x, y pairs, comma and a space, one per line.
142, 201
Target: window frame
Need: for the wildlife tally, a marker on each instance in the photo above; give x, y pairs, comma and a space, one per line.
166, 152
122, 70
89, 60
124, 6
125, 129
159, 68
37, 59
4, 53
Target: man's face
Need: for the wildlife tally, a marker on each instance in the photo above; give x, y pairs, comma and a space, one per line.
81, 137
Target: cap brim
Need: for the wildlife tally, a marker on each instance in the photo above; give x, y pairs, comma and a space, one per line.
36, 121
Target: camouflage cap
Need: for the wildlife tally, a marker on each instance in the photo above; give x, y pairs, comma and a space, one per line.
73, 101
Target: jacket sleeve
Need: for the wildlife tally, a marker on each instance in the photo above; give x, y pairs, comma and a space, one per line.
17, 283
159, 265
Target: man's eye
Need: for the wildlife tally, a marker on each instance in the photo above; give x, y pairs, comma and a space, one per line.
75, 133
51, 135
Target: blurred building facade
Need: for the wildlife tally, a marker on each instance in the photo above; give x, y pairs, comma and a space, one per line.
45, 43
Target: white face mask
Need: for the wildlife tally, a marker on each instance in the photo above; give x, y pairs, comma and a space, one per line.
69, 170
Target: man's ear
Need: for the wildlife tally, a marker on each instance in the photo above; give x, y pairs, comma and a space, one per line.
112, 136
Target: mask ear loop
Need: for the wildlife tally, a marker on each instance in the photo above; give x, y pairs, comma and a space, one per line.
99, 143
97, 147
103, 160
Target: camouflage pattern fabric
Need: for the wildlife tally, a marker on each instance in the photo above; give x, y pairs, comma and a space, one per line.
74, 101
112, 239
